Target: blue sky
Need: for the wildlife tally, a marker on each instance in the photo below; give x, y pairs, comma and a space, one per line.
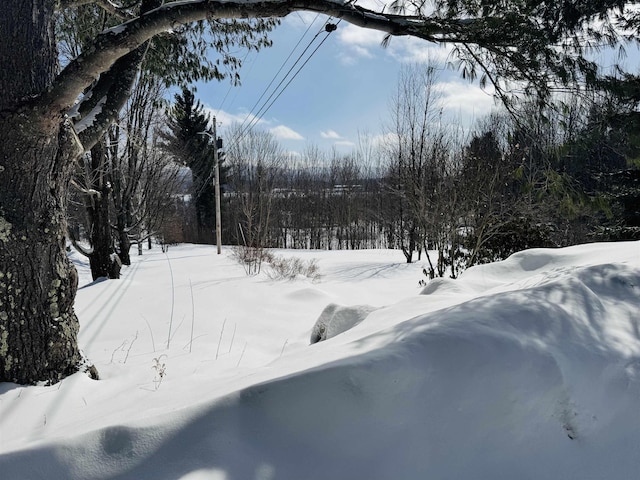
344, 90
346, 87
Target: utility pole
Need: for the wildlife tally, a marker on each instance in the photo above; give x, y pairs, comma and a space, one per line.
216, 169
216, 165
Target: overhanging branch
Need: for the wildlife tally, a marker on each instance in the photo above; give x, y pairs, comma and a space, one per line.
114, 88
116, 42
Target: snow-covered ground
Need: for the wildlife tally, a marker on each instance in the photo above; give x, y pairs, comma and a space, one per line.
523, 369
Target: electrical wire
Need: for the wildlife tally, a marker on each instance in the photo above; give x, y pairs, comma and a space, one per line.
237, 90
266, 89
327, 27
242, 130
224, 99
266, 107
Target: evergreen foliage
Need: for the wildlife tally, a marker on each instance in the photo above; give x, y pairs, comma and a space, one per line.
188, 141
603, 158
180, 57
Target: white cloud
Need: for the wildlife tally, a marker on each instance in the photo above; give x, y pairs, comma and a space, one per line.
226, 119
352, 35
466, 98
293, 156
361, 51
357, 43
282, 132
347, 60
384, 139
360, 42
365, 43
344, 144
330, 134
415, 50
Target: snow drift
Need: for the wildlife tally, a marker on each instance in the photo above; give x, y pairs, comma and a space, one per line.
523, 369
336, 319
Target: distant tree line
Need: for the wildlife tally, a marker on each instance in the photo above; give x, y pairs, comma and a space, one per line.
537, 176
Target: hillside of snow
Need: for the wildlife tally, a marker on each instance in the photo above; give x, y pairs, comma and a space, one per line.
523, 369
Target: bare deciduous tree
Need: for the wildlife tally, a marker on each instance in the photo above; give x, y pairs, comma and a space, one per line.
255, 160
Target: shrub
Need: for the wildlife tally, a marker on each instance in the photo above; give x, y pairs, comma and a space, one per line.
251, 258
282, 268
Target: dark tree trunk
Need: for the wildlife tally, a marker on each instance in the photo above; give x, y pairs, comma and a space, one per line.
28, 52
38, 327
124, 242
121, 203
408, 250
98, 213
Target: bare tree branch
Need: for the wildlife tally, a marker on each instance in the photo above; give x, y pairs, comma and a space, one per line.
115, 10
102, 104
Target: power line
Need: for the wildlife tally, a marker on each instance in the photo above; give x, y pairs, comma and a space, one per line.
235, 95
266, 89
253, 63
328, 27
224, 99
265, 108
244, 131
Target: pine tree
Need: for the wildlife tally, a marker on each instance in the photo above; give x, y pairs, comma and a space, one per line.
189, 142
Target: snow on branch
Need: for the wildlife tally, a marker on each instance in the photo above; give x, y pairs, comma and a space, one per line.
89, 119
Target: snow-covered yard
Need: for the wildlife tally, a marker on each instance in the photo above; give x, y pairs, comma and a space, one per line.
523, 369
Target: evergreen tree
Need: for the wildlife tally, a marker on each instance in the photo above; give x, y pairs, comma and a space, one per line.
604, 156
188, 140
